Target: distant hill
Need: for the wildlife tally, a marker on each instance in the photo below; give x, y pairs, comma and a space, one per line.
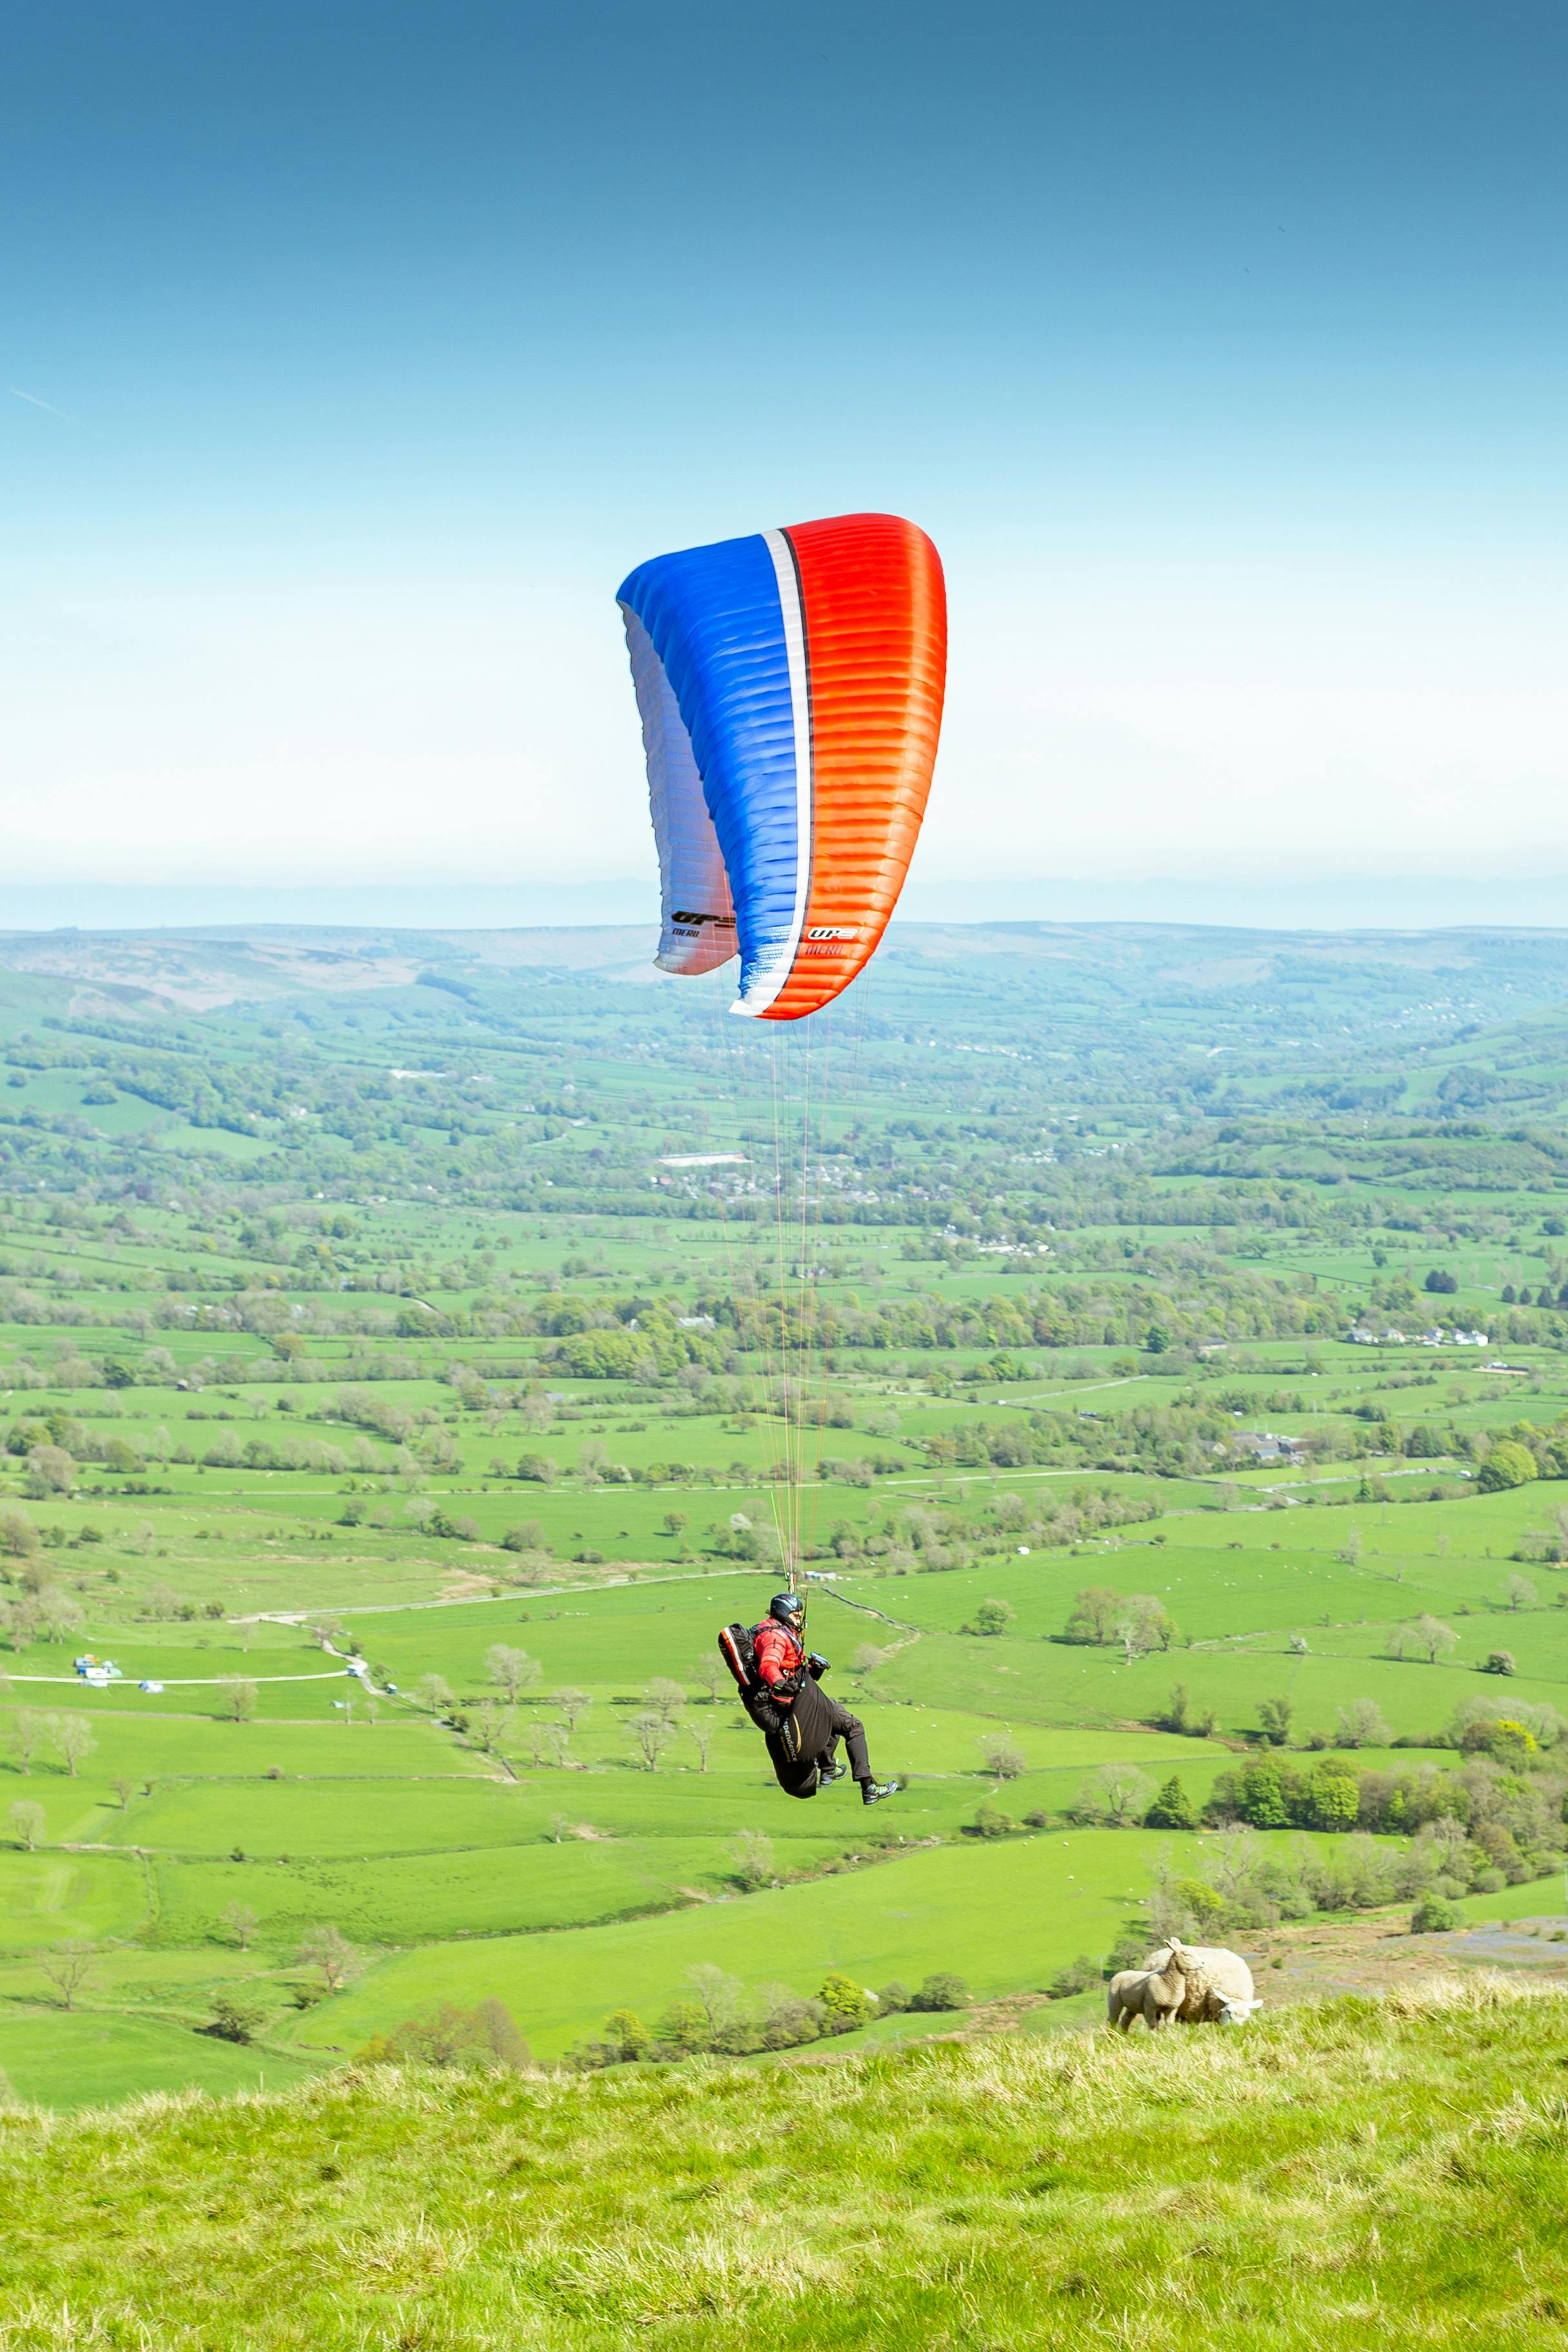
1189, 1039
1463, 974
201, 970
1334, 2178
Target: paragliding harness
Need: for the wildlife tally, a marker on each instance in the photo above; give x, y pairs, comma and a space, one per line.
739, 1652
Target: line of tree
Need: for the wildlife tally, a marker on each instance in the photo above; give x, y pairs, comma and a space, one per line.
717, 2014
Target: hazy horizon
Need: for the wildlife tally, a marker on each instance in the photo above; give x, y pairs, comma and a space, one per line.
1348, 904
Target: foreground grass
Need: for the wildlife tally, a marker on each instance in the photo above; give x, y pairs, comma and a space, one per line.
1336, 2176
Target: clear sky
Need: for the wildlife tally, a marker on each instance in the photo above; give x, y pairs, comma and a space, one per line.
353, 353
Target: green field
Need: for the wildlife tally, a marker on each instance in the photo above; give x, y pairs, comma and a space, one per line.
308, 1413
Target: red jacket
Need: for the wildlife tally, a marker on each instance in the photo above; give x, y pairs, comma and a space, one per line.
778, 1653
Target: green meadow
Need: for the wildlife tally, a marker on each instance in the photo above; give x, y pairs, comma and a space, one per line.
413, 1442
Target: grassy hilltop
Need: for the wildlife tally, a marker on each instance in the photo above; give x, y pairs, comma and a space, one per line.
415, 1303
1334, 2178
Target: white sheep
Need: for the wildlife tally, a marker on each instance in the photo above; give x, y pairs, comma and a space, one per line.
1138, 1993
1202, 1983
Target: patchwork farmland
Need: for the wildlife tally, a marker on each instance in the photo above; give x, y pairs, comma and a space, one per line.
405, 1378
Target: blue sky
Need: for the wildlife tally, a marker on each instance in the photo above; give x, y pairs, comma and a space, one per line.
354, 353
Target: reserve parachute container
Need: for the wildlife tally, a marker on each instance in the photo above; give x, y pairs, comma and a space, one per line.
790, 686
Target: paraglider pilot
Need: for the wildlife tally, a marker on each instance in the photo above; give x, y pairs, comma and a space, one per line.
802, 1725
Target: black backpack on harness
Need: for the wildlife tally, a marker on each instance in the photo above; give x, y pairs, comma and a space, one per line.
739, 1652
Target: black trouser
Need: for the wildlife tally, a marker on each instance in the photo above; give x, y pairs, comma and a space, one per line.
852, 1731
805, 1734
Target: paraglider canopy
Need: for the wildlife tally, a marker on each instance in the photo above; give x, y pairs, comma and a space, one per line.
790, 686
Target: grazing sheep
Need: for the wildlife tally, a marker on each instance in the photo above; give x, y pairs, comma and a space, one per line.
1220, 2009
1203, 1982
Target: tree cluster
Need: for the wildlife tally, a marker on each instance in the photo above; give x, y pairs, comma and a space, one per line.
716, 2014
